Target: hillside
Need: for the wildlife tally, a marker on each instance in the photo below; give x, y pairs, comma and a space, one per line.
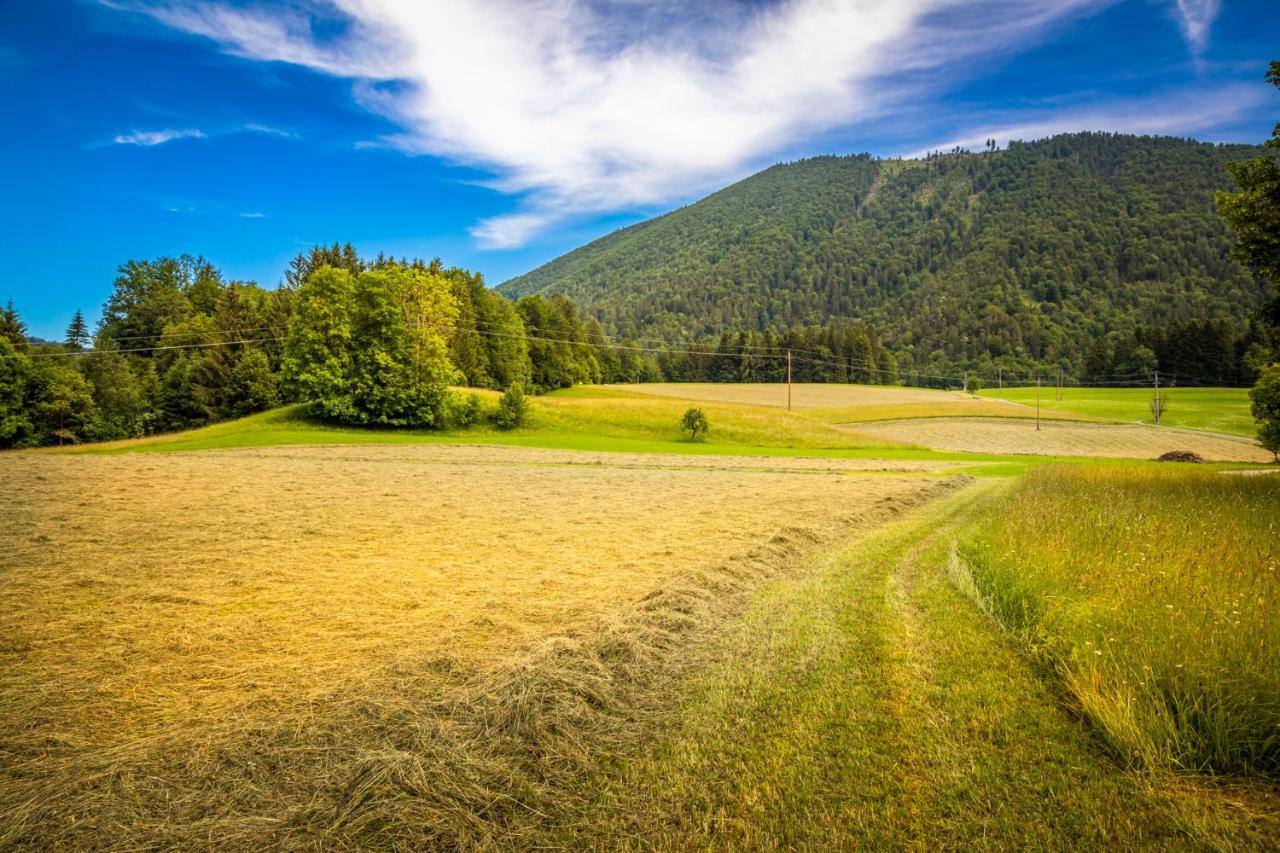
1033, 255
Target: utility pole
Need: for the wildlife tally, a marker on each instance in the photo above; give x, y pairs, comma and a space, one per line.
1156, 410
966, 381
1037, 402
788, 380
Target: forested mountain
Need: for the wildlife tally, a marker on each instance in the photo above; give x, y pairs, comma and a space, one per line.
1093, 252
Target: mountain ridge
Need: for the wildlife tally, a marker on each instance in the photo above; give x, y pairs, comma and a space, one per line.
1031, 255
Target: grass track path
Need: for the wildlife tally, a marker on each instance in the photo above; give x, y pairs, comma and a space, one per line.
869, 704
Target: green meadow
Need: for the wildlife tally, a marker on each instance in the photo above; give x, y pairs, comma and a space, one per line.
1224, 410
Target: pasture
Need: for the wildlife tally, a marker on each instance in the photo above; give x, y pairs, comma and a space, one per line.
809, 630
1223, 410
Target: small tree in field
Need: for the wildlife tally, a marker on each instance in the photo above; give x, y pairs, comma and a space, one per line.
695, 422
1265, 397
513, 408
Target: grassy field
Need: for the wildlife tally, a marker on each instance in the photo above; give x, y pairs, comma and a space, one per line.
837, 421
1152, 594
1214, 409
591, 633
236, 645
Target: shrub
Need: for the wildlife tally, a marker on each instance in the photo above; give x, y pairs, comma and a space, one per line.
513, 408
1265, 398
466, 411
695, 422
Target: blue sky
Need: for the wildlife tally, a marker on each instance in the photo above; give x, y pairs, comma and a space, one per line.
498, 134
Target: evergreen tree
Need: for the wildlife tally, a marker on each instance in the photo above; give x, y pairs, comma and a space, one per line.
12, 328
77, 333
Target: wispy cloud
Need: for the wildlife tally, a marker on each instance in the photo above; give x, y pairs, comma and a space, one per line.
584, 107
267, 130
156, 137
1174, 113
1196, 17
253, 214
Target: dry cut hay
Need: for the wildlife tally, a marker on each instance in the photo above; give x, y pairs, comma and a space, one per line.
1058, 438
279, 649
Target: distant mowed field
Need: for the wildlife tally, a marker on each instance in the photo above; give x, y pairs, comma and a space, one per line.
834, 402
285, 645
1059, 438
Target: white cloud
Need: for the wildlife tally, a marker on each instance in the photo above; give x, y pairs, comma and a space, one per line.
268, 130
1178, 114
591, 107
156, 137
1196, 18
253, 214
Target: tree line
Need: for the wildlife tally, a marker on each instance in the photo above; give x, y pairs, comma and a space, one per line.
363, 341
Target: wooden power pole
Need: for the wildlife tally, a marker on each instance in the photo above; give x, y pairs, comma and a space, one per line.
1159, 405
1037, 402
788, 380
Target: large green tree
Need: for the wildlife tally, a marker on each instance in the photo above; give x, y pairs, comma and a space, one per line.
374, 348
15, 373
61, 403
401, 370
1254, 214
319, 349
1254, 210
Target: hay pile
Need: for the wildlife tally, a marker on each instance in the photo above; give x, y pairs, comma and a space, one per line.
1181, 456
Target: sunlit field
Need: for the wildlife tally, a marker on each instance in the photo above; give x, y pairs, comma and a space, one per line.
1213, 409
307, 645
1153, 596
1059, 438
835, 403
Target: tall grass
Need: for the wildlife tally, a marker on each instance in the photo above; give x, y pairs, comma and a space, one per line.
1153, 594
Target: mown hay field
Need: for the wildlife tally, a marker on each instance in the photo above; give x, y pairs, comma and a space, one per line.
836, 403
1059, 438
327, 645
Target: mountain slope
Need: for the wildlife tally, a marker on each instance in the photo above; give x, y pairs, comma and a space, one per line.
1021, 257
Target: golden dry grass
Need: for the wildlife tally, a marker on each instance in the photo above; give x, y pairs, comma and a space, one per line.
405, 645
834, 403
1057, 438
803, 395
